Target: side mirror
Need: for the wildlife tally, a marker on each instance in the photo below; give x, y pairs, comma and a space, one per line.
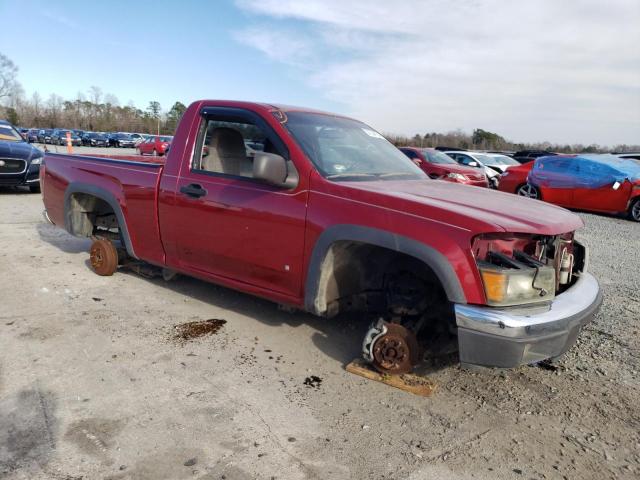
271, 168
473, 164
166, 149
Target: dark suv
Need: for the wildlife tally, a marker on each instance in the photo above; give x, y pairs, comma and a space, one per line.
526, 156
19, 161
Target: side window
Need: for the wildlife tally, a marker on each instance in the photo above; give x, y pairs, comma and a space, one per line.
410, 153
557, 165
228, 147
463, 159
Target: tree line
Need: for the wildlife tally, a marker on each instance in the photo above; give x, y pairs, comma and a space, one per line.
95, 110
484, 140
90, 110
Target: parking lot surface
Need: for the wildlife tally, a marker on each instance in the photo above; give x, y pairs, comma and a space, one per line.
87, 150
97, 382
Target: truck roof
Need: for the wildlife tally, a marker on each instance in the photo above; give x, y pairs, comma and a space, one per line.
273, 106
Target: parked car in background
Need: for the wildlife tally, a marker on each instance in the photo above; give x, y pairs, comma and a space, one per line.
525, 156
19, 161
632, 155
596, 183
154, 145
32, 135
440, 166
55, 136
94, 139
59, 137
475, 160
500, 162
121, 140
137, 138
514, 180
44, 135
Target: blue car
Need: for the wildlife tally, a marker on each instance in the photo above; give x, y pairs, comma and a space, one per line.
19, 161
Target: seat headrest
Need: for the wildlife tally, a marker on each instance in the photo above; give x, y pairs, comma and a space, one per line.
227, 142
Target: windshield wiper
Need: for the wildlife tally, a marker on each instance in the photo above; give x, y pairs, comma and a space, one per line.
357, 176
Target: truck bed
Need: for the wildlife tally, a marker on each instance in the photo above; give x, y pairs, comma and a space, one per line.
130, 181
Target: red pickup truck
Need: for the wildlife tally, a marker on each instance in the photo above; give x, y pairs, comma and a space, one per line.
320, 212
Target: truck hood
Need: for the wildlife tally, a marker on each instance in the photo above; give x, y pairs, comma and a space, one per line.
19, 151
466, 206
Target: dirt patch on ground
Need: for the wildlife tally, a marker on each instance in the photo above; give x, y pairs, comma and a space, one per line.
188, 331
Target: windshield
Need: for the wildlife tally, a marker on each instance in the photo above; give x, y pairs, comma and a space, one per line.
434, 156
504, 160
344, 149
165, 139
9, 134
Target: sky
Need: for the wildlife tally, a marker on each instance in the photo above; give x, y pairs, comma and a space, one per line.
529, 70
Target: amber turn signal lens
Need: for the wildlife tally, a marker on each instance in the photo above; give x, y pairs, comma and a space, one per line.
495, 285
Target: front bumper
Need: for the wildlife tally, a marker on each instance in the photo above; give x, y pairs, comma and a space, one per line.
509, 337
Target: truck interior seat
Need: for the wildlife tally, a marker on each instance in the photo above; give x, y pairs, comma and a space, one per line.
227, 153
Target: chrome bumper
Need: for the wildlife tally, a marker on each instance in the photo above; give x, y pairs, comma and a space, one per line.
508, 337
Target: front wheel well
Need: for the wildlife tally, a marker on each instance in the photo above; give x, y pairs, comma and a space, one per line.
356, 276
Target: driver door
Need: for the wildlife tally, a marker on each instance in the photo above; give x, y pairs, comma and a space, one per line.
225, 223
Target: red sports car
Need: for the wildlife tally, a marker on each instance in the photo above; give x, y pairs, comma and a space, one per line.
442, 167
597, 183
514, 180
154, 145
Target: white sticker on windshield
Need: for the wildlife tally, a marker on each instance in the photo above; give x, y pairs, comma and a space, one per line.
371, 133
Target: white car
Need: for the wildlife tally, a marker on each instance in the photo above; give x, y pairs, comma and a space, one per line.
479, 160
500, 162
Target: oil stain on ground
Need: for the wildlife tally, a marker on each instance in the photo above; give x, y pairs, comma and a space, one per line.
188, 331
28, 429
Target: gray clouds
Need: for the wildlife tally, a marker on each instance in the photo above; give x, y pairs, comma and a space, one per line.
563, 71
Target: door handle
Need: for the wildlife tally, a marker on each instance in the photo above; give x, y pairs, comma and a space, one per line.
193, 190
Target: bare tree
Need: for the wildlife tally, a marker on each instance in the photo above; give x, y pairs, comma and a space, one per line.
8, 73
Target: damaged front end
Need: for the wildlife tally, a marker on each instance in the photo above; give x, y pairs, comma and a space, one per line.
538, 296
520, 269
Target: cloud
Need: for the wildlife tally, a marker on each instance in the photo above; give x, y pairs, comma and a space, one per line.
544, 70
58, 18
282, 46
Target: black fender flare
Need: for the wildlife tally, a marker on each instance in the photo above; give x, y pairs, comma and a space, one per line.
392, 241
104, 195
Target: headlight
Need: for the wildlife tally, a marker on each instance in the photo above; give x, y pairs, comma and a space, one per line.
505, 173
518, 269
516, 286
456, 176
36, 161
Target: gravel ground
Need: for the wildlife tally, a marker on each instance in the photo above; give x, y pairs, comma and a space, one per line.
96, 383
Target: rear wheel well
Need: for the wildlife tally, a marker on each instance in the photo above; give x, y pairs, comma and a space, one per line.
91, 216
